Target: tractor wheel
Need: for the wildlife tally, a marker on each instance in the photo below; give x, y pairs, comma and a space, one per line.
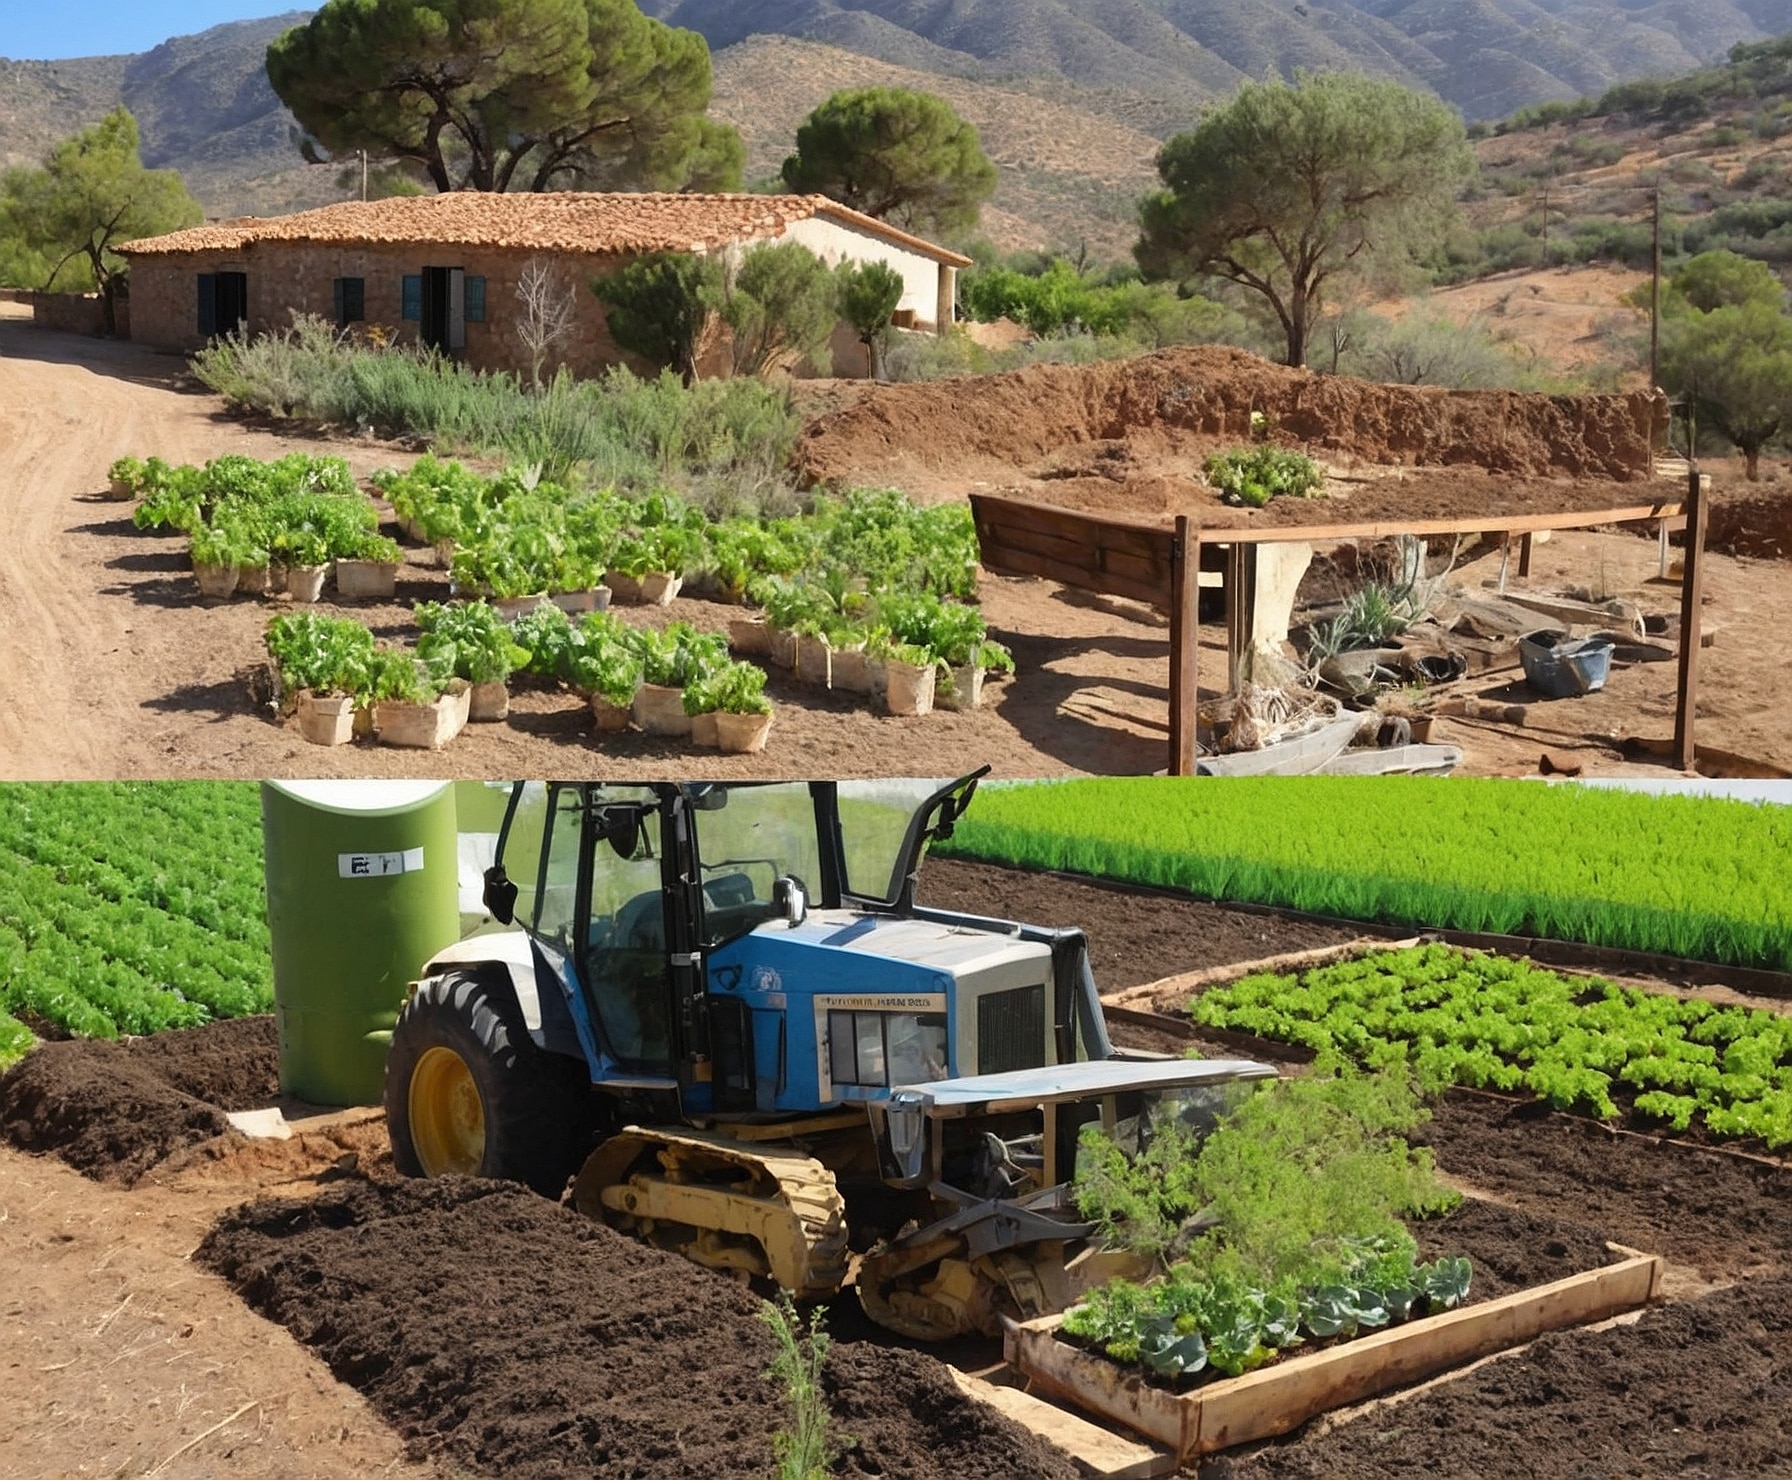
469, 1094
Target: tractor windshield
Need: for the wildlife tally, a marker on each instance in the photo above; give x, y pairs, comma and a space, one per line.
759, 834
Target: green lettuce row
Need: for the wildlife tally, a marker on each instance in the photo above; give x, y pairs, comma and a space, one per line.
130, 907
1490, 1023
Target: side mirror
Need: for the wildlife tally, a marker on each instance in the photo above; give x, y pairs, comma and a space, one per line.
789, 899
500, 894
620, 827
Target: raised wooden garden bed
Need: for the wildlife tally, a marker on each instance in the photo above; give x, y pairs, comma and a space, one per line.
1275, 1399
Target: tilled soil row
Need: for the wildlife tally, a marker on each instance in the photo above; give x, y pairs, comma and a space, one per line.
518, 1338
114, 1110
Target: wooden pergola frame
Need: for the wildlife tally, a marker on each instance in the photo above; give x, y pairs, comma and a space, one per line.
1161, 565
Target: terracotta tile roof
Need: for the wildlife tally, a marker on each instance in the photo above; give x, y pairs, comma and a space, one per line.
564, 221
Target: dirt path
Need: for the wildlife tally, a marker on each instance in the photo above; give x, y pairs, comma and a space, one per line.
123, 1358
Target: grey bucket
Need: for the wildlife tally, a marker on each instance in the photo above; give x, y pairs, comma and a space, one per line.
1565, 668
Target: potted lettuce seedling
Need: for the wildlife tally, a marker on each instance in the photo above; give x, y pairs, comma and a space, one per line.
470, 641
743, 713
412, 704
909, 674
304, 554
125, 479
610, 676
222, 553
321, 663
367, 570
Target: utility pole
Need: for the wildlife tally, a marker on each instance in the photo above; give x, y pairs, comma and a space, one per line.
1655, 295
363, 154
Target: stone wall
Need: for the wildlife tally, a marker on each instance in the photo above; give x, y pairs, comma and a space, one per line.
76, 313
288, 278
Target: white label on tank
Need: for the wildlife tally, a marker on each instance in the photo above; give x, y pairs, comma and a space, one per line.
378, 865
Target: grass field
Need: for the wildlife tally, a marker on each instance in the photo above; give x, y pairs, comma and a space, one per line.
1687, 876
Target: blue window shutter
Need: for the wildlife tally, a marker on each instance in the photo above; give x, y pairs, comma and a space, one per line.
475, 299
413, 297
208, 304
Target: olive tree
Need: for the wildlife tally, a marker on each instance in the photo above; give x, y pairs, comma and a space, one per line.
869, 295
1292, 184
91, 194
1733, 366
660, 305
780, 307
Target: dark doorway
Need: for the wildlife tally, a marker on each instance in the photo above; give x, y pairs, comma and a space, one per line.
223, 302
443, 324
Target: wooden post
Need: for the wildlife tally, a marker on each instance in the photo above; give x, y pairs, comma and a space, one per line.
1241, 609
1524, 553
1185, 645
1692, 583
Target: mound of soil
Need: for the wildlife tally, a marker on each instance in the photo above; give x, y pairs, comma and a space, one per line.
1749, 520
1134, 937
113, 1110
1191, 400
514, 1337
1723, 1215
1511, 1249
1699, 1389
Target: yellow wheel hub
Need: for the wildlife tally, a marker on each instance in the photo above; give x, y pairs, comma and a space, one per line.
447, 1115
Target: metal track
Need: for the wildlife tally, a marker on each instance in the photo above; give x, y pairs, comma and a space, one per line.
755, 1210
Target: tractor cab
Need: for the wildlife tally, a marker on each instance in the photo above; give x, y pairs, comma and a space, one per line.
756, 948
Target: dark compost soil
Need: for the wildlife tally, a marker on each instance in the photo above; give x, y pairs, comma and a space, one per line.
113, 1110
1509, 1248
1134, 937
1723, 1215
1698, 1389
515, 1337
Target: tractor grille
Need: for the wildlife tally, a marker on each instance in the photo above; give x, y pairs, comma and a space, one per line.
1011, 1030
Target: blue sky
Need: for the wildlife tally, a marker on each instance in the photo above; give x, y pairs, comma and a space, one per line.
49, 29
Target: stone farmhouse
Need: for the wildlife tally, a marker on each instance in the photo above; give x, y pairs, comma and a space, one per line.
442, 270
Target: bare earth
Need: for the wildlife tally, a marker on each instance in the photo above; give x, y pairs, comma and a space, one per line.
121, 1357
113, 666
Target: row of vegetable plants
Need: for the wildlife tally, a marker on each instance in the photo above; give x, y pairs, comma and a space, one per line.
1281, 1222
1489, 1022
675, 682
866, 593
129, 908
252, 526
1696, 877
854, 591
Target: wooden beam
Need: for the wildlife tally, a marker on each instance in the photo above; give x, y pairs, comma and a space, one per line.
1185, 645
1479, 524
1524, 554
1692, 591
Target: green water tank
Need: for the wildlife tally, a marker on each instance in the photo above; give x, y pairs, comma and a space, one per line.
362, 889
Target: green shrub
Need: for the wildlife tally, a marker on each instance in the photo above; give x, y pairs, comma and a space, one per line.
1252, 476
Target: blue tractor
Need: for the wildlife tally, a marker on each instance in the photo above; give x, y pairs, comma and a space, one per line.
718, 1011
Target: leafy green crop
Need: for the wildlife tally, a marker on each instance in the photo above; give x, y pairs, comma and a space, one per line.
1455, 1017
130, 907
1188, 1324
1696, 877
1252, 476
